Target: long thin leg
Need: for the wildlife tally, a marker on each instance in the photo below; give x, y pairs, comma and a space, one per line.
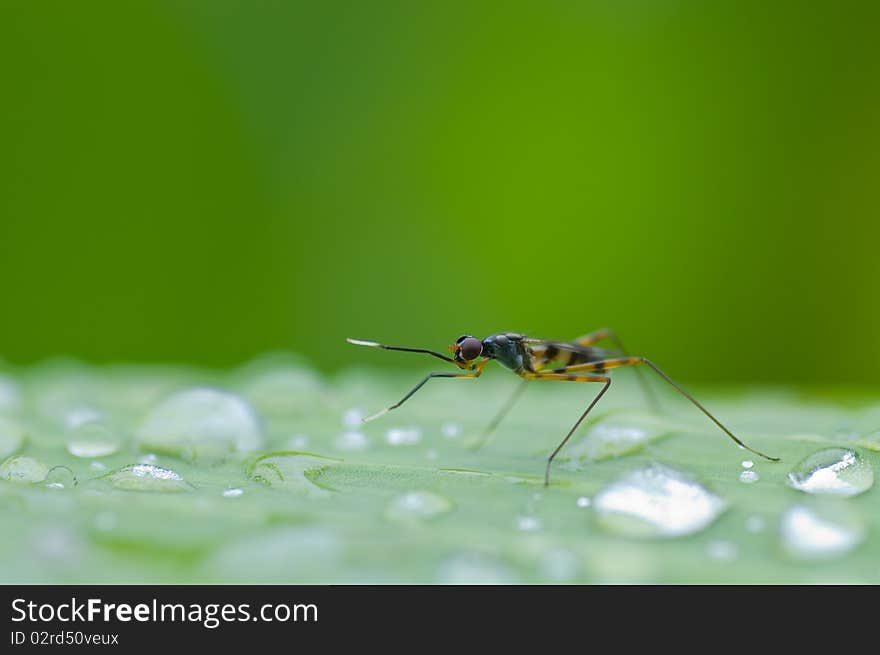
611, 335
472, 374
607, 364
569, 378
484, 437
373, 344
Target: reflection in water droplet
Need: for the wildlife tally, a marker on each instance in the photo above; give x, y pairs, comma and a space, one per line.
474, 568
353, 441
291, 471
832, 471
755, 524
583, 501
233, 492
92, 439
298, 442
417, 506
146, 477
11, 437
723, 551
614, 436
60, 477
558, 565
23, 469
749, 477
656, 501
528, 523
403, 436
747, 463
353, 417
820, 532
450, 430
201, 423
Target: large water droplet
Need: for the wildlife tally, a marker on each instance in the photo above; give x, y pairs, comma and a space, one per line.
614, 436
23, 469
832, 471
291, 471
820, 532
475, 568
92, 439
201, 423
416, 506
146, 477
656, 501
11, 437
60, 477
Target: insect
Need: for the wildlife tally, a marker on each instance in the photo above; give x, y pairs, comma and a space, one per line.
578, 360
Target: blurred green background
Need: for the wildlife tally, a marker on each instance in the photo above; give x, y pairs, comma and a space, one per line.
205, 181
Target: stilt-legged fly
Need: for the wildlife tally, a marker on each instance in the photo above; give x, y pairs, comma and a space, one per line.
578, 360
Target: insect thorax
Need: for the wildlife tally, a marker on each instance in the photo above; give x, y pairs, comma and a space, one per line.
506, 348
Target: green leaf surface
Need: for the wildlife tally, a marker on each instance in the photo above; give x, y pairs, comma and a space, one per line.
290, 486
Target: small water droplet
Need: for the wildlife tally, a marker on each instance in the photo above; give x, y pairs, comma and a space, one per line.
749, 477
403, 436
474, 568
450, 430
747, 463
558, 564
233, 492
755, 524
292, 472
23, 469
92, 439
528, 523
656, 501
417, 506
98, 466
146, 477
148, 458
821, 531
353, 417
11, 437
832, 471
201, 423
77, 416
724, 551
583, 501
298, 442
60, 477
354, 441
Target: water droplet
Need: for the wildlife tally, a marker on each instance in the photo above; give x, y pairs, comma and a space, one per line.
614, 436
354, 441
60, 477
417, 506
820, 532
23, 469
92, 439
832, 471
747, 463
298, 442
749, 477
11, 437
528, 523
148, 458
146, 477
656, 501
291, 471
76, 416
403, 436
233, 492
583, 501
432, 454
353, 417
451, 430
201, 423
723, 551
755, 524
474, 568
98, 466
